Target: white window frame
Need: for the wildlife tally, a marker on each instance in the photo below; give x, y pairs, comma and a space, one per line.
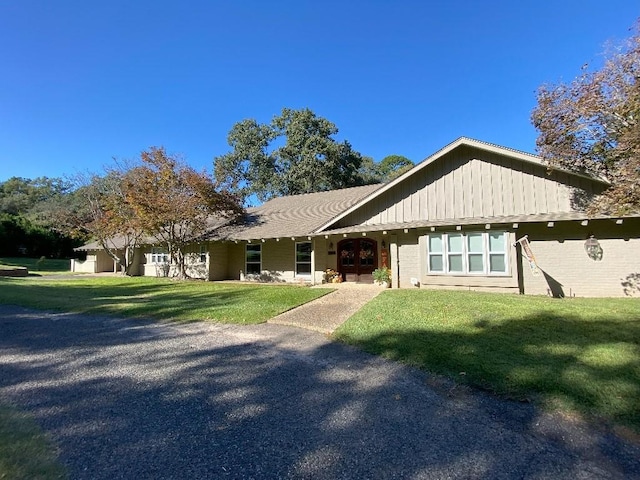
246, 258
158, 255
203, 254
445, 254
304, 275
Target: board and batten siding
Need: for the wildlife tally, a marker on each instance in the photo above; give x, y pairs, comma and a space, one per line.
468, 183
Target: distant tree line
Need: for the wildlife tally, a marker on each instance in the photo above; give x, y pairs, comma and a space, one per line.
26, 228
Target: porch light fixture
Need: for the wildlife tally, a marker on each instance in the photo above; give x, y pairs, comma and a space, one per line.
593, 248
330, 245
384, 244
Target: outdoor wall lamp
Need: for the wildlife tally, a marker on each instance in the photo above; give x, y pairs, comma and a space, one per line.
330, 245
384, 244
593, 248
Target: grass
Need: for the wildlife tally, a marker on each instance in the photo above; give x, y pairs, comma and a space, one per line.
580, 356
161, 299
25, 452
43, 266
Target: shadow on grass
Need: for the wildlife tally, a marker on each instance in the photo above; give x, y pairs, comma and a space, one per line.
567, 362
156, 298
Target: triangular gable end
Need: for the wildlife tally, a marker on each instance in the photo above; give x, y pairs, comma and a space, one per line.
466, 179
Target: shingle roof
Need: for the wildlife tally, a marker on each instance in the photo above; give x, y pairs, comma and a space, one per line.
293, 216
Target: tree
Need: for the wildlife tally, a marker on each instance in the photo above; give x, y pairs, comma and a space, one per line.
591, 126
393, 166
99, 208
24, 196
308, 158
25, 226
174, 203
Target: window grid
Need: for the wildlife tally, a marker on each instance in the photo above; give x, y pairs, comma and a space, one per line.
159, 255
253, 259
303, 259
472, 253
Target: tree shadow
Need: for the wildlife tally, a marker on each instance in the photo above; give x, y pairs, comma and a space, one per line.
160, 300
561, 360
631, 285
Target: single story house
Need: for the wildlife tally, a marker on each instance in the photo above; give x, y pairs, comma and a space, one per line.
473, 215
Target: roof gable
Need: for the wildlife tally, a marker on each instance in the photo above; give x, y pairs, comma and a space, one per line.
521, 161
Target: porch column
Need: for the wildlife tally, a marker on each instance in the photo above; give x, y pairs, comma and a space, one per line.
313, 260
394, 262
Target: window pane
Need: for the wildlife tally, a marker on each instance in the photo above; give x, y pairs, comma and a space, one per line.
497, 263
347, 254
455, 243
496, 242
303, 268
476, 263
435, 243
303, 252
474, 242
455, 263
435, 263
253, 268
253, 256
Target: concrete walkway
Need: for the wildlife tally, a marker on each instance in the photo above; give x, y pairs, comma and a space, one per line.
327, 313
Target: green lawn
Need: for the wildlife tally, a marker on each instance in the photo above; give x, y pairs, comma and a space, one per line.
577, 355
42, 266
25, 452
158, 298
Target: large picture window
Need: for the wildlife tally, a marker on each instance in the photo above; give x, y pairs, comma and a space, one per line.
303, 258
253, 259
472, 253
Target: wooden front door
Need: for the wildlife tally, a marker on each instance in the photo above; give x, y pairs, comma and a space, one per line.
357, 258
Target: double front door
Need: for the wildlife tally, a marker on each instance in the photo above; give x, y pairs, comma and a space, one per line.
357, 258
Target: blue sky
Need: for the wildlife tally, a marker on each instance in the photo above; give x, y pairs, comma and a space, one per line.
84, 82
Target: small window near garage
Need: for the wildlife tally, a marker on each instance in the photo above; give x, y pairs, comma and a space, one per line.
303, 259
253, 264
472, 253
159, 255
203, 254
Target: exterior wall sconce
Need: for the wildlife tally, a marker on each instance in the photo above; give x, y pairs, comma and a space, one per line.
384, 244
593, 248
330, 245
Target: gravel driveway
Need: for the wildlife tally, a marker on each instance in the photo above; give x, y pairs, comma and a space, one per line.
136, 399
